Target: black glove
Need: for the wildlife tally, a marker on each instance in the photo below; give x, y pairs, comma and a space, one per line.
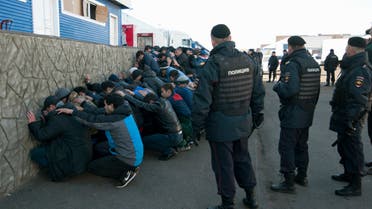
257, 120
350, 128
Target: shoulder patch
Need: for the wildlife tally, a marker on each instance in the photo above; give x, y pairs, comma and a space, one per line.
359, 80
287, 76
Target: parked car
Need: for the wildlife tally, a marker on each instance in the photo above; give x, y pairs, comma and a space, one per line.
318, 59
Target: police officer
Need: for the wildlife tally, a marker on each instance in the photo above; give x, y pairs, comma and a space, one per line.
229, 94
273, 65
298, 90
369, 65
330, 65
349, 107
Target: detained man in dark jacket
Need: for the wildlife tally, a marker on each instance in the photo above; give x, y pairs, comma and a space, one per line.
182, 60
169, 137
229, 96
125, 149
151, 80
183, 112
65, 148
147, 59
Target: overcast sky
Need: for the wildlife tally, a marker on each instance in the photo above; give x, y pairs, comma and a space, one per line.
257, 22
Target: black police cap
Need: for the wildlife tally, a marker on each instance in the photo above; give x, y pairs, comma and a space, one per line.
357, 42
220, 31
296, 41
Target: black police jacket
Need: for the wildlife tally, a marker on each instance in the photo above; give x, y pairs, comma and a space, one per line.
350, 98
222, 125
300, 79
331, 62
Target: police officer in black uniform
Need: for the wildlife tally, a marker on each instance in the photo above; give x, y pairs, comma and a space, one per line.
229, 96
349, 107
369, 65
330, 65
298, 90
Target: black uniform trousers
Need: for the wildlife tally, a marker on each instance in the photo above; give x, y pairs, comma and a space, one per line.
230, 161
330, 76
350, 148
109, 166
293, 150
273, 72
370, 125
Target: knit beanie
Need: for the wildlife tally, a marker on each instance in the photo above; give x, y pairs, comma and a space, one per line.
220, 31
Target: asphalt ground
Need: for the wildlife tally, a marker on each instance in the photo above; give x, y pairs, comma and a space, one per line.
187, 181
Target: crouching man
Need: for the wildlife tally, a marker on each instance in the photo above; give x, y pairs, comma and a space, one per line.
124, 141
65, 148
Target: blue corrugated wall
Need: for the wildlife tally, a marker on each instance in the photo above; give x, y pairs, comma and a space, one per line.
78, 29
70, 27
20, 12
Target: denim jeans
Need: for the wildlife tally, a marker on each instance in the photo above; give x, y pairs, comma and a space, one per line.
38, 155
163, 143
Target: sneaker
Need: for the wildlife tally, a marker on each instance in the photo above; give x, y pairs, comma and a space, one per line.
127, 178
184, 148
168, 156
193, 143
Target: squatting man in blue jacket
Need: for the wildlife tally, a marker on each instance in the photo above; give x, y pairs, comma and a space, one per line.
123, 138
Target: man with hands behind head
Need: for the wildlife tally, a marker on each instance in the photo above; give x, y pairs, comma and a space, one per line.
125, 148
65, 148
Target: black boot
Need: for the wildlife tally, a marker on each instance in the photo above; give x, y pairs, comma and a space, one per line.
286, 186
343, 177
250, 200
301, 179
353, 189
227, 203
